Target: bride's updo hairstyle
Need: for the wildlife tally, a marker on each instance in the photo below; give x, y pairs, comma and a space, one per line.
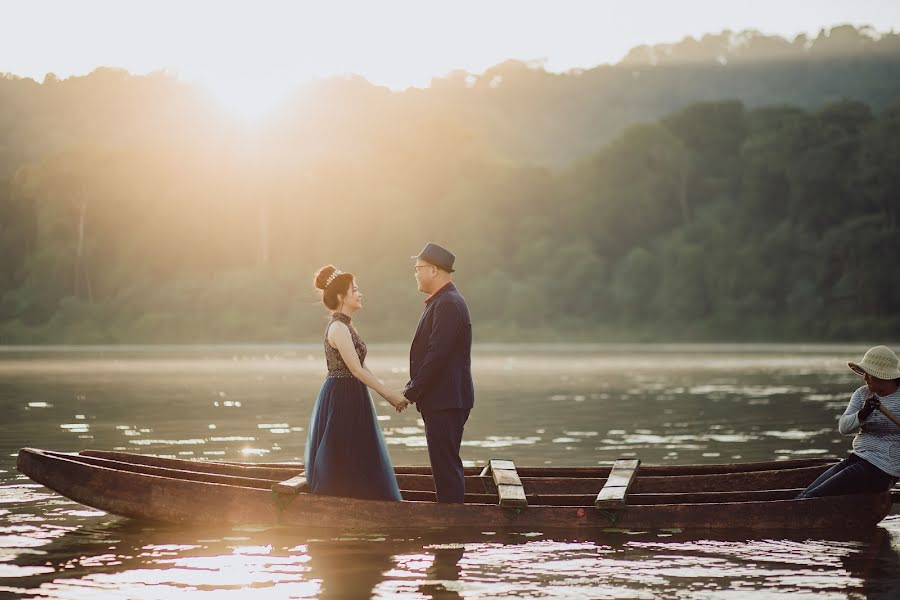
331, 282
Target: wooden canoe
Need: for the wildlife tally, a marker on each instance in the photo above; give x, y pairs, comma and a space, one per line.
735, 496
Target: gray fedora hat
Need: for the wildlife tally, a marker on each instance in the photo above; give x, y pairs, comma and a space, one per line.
437, 255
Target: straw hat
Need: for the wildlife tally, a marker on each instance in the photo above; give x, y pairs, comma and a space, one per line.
880, 362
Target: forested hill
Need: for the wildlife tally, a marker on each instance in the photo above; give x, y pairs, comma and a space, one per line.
531, 115
149, 221
516, 110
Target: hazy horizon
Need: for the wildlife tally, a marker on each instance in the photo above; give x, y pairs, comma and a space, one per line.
251, 57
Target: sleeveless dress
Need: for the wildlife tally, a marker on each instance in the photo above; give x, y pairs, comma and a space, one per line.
345, 450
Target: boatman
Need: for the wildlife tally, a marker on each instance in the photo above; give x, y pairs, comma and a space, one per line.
874, 463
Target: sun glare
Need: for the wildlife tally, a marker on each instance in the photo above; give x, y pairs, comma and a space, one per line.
248, 101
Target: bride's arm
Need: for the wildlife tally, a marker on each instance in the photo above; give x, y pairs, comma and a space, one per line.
371, 372
340, 338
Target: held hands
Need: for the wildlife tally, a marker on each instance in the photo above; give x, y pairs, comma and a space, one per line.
397, 400
870, 405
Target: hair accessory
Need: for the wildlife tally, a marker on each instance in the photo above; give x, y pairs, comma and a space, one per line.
332, 277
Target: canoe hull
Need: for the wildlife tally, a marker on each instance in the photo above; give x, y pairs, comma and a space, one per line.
542, 480
169, 499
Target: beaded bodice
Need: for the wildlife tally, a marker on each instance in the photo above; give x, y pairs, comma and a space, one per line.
336, 365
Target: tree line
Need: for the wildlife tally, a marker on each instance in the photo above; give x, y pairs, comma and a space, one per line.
130, 211
717, 222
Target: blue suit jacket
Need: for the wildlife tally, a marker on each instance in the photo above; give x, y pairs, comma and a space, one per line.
440, 358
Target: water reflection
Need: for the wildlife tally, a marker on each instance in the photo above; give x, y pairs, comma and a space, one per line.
877, 565
349, 568
444, 570
136, 561
143, 562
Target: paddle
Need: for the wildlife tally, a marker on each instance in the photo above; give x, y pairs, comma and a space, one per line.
889, 414
895, 496
883, 410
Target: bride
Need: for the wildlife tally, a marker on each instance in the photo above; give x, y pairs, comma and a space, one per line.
345, 450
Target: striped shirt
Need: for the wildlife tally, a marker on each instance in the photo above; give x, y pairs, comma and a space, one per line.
878, 439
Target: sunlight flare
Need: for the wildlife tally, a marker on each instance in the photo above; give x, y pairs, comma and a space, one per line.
249, 100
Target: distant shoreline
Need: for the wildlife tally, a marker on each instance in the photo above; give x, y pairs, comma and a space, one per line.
599, 347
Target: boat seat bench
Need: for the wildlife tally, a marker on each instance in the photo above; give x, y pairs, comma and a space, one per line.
615, 491
291, 486
507, 483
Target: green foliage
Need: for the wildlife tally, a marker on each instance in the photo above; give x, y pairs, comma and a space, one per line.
139, 216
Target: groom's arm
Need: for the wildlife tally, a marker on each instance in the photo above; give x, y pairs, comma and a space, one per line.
445, 326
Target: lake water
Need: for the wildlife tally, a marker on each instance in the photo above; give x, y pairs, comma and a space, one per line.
536, 405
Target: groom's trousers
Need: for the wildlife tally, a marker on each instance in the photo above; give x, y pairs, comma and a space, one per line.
444, 431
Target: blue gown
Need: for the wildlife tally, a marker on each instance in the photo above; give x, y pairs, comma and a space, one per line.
345, 450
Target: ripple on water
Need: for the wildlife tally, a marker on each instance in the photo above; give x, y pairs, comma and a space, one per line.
795, 434
410, 441
686, 441
83, 513
823, 397
189, 442
406, 430
802, 451
23, 493
13, 571
500, 441
747, 390
30, 536
75, 427
255, 451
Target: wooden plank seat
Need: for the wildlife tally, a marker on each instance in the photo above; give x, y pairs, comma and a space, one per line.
506, 481
615, 491
291, 486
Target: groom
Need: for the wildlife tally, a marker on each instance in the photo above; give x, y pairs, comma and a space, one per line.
440, 370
